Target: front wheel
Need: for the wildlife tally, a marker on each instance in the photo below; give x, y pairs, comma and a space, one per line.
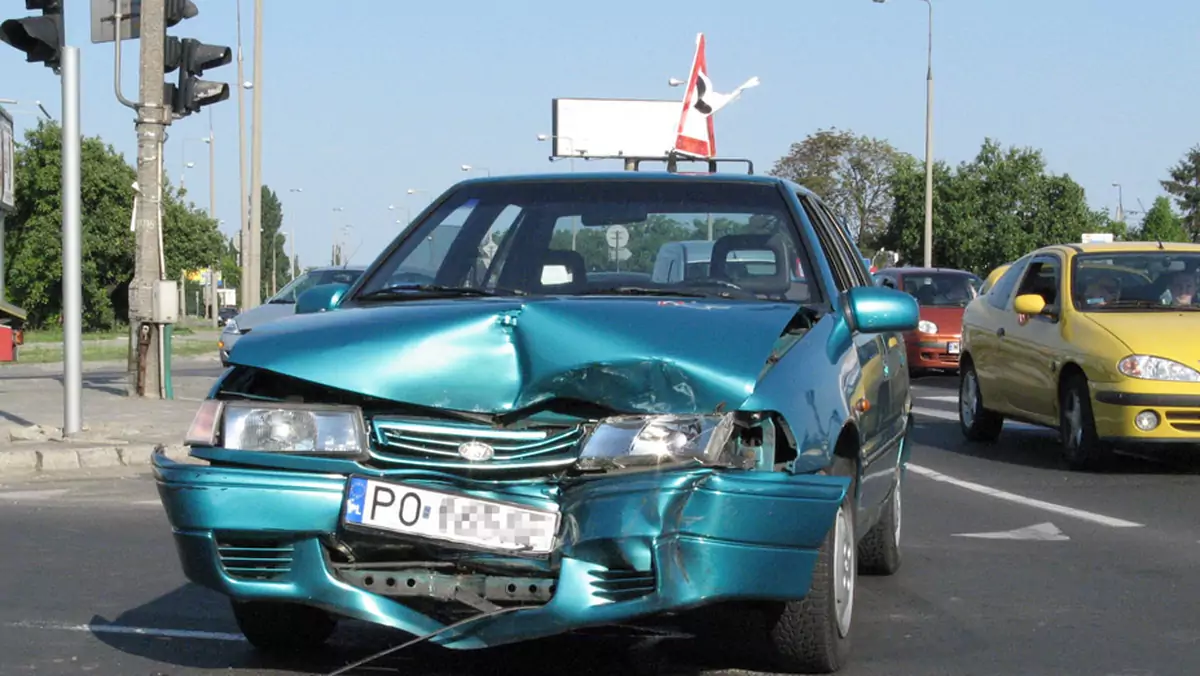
812, 635
1081, 447
283, 628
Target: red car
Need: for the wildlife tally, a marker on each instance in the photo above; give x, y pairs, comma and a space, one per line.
943, 294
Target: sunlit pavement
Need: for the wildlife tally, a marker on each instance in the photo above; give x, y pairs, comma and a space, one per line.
1013, 565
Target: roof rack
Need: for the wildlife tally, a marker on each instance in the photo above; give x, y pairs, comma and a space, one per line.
672, 160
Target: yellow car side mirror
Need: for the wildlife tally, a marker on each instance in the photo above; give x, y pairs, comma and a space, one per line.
1029, 304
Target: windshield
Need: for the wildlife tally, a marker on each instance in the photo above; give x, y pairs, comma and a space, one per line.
1133, 282
942, 289
581, 237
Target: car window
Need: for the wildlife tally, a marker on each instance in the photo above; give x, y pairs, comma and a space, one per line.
857, 264
580, 237
1041, 278
939, 289
843, 277
1134, 281
296, 287
1001, 292
342, 276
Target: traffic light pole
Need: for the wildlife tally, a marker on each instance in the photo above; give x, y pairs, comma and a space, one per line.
72, 235
153, 116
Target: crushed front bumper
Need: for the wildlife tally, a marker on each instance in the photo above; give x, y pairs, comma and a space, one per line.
670, 541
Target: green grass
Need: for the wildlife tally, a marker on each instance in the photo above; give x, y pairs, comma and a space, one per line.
41, 354
56, 335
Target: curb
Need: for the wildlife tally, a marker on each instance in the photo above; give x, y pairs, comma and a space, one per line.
27, 462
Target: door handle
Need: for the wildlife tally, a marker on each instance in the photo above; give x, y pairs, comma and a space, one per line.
1000, 332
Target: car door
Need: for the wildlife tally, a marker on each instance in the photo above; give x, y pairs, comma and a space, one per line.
1028, 343
984, 325
881, 421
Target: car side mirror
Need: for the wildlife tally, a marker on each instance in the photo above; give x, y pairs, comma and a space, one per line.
320, 298
1031, 304
879, 309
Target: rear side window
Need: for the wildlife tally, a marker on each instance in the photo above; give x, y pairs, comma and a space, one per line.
1002, 291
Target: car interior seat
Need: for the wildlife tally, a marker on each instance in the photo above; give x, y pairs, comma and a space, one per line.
776, 284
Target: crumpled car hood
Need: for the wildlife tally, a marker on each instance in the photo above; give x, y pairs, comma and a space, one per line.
499, 355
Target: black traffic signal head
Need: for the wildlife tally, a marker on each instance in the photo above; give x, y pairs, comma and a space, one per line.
40, 37
199, 57
178, 10
195, 57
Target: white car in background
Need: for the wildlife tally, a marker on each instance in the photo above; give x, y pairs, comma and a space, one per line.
282, 304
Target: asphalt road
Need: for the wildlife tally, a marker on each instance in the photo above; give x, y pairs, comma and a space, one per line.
1089, 574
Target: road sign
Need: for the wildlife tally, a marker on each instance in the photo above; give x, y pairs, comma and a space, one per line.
1097, 237
617, 236
621, 255
7, 180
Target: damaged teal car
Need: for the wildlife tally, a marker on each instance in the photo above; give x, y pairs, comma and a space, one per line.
505, 430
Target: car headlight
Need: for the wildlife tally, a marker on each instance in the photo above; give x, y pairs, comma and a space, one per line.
664, 440
276, 427
926, 326
231, 326
1147, 367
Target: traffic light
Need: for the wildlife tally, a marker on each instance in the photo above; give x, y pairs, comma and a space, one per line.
40, 37
192, 93
192, 58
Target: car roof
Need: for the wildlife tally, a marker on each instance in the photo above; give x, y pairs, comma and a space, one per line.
325, 268
1121, 247
927, 271
637, 176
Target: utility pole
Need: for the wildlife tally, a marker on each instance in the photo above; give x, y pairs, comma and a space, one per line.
152, 118
213, 278
255, 290
243, 203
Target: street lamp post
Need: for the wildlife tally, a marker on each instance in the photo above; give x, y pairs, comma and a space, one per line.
1120, 203
467, 167
928, 141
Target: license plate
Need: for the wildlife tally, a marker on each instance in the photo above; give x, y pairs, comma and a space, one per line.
952, 348
449, 517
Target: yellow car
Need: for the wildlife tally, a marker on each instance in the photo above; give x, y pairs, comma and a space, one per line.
1097, 340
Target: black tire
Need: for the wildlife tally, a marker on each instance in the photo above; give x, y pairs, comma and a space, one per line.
805, 636
976, 421
879, 550
1081, 448
283, 628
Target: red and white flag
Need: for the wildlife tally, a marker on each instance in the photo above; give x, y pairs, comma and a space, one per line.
695, 135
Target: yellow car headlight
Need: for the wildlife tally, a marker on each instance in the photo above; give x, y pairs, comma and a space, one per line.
1148, 367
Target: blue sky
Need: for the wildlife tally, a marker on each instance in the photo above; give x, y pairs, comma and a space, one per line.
372, 98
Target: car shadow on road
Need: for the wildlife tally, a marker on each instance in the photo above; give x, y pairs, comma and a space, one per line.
216, 643
1041, 449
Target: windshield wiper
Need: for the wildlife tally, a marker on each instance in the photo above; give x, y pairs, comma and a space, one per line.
432, 290
636, 291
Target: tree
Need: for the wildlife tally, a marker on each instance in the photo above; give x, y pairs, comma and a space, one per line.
1184, 186
33, 245
989, 211
1162, 224
852, 173
274, 261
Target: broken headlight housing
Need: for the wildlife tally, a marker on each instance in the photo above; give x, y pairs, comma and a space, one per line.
277, 427
654, 441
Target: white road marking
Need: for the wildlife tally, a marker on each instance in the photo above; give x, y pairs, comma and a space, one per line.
1042, 531
32, 495
1022, 500
948, 398
156, 503
122, 629
950, 415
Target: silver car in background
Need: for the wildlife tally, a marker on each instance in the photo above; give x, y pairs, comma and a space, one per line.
282, 304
